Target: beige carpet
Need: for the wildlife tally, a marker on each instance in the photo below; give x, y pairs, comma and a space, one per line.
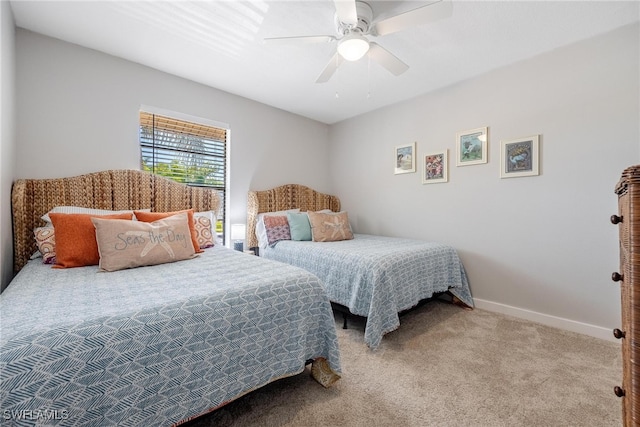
447, 366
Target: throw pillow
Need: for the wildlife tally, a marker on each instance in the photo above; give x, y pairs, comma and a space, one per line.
154, 216
204, 236
129, 244
46, 242
299, 226
76, 238
261, 233
330, 227
277, 229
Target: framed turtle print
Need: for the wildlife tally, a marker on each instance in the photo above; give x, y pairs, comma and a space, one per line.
471, 147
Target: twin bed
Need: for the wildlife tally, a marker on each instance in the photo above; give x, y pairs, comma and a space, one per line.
371, 276
156, 345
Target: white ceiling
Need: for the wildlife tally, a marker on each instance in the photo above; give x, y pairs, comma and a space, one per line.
220, 44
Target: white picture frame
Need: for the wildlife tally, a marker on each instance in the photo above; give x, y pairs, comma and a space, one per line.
435, 167
405, 158
471, 147
520, 157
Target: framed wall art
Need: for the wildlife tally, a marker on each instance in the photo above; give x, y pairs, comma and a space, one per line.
519, 157
435, 168
471, 147
405, 158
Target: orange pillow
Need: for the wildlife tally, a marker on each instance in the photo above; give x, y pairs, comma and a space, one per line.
154, 216
76, 244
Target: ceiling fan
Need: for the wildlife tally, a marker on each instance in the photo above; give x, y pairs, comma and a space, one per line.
354, 21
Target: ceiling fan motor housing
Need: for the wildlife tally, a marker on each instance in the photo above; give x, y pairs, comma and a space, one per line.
365, 17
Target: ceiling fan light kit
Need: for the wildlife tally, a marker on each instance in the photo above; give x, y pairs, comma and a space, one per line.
353, 46
354, 21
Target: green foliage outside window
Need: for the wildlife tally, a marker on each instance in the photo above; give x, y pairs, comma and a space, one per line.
177, 170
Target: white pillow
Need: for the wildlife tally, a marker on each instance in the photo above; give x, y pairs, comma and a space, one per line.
261, 231
81, 210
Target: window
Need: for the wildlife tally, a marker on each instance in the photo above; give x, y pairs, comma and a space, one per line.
187, 152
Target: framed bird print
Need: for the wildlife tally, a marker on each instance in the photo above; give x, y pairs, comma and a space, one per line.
519, 157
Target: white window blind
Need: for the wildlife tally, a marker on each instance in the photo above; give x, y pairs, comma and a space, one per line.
187, 152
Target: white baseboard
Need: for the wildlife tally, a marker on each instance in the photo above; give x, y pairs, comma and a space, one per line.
545, 319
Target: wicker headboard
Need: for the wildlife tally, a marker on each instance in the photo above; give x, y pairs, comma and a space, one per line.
290, 196
111, 189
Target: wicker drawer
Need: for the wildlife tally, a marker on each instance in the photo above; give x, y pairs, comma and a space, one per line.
628, 220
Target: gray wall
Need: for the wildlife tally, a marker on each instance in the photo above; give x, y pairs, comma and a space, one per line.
78, 113
7, 139
538, 247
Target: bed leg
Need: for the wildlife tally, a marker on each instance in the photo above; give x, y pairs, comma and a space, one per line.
344, 318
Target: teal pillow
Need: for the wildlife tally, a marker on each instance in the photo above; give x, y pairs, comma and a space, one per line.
299, 226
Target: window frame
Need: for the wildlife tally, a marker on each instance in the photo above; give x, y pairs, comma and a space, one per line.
224, 210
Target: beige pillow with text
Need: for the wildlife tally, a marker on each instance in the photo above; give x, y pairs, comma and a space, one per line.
128, 244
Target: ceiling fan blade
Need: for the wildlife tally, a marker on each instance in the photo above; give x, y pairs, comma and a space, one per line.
422, 15
387, 59
346, 11
299, 39
335, 61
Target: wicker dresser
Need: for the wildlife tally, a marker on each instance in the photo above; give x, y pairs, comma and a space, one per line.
628, 220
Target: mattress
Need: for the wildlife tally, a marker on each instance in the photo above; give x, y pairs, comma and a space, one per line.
155, 345
377, 277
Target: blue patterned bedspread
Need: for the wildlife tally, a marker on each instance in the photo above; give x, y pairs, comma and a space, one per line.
377, 277
152, 346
